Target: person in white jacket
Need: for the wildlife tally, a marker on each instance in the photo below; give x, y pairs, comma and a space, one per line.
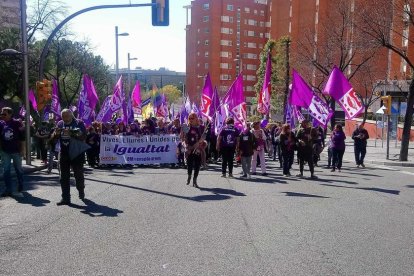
260, 148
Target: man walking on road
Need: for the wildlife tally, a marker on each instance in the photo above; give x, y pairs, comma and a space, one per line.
360, 136
12, 148
68, 129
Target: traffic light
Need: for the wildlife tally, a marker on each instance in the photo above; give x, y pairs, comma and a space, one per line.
44, 93
48, 89
160, 12
386, 102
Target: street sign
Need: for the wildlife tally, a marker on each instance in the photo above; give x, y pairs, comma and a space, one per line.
160, 12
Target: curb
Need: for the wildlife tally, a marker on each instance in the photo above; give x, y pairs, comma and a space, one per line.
382, 163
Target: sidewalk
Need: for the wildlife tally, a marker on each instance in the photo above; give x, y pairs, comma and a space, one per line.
376, 154
36, 165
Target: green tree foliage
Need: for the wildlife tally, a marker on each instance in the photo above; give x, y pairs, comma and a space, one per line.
172, 93
278, 54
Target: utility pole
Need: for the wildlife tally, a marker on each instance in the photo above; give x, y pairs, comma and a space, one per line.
287, 78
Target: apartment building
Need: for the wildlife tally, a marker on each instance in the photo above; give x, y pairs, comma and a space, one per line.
224, 38
9, 13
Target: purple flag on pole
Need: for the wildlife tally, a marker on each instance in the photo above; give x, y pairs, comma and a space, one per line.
235, 102
136, 98
220, 118
55, 108
263, 105
87, 101
215, 102
114, 104
207, 99
104, 109
32, 99
339, 88
303, 96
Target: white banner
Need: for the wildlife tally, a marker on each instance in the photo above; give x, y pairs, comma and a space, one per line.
148, 149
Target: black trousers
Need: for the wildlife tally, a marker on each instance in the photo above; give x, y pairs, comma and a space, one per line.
193, 163
227, 156
92, 155
77, 167
305, 155
337, 156
360, 152
287, 160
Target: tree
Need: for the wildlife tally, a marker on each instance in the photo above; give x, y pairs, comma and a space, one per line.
172, 93
387, 24
335, 43
278, 54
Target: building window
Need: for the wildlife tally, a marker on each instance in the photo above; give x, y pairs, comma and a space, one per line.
255, 12
206, 6
206, 30
198, 42
246, 10
205, 65
205, 18
250, 78
224, 54
250, 33
206, 42
206, 54
251, 67
225, 77
225, 18
262, 13
224, 65
262, 24
230, 7
251, 45
198, 54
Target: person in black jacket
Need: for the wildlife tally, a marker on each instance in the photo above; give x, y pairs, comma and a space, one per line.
287, 146
245, 147
360, 136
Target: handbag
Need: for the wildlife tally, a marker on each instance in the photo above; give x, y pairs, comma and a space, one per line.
76, 148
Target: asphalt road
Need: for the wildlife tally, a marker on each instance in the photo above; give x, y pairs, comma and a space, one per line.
146, 221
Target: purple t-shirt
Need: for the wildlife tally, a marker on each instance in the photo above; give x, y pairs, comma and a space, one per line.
229, 136
11, 136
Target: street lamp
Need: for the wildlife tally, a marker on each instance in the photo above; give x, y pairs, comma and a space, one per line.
129, 71
116, 51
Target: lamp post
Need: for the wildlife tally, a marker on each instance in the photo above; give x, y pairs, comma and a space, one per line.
129, 71
116, 51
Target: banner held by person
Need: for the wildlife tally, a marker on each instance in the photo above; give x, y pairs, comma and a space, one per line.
147, 149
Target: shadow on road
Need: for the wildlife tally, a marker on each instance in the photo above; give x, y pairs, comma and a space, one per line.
393, 192
303, 195
95, 210
222, 191
32, 200
220, 195
410, 186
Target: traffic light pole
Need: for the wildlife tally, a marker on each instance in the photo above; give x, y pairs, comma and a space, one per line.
388, 137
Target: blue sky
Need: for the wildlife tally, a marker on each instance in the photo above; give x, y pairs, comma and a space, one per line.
154, 47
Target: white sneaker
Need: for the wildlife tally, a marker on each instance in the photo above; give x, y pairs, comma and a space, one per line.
17, 194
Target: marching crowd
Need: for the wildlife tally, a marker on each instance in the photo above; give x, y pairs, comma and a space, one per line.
199, 146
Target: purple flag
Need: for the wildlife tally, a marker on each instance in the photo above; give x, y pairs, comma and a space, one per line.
235, 101
215, 102
55, 108
22, 112
32, 99
115, 103
339, 88
207, 99
220, 118
136, 98
130, 111
302, 96
289, 116
87, 101
104, 109
263, 105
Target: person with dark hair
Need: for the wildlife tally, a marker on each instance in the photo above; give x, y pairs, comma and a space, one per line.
338, 147
226, 144
42, 134
66, 130
93, 140
12, 149
360, 136
193, 137
287, 147
305, 147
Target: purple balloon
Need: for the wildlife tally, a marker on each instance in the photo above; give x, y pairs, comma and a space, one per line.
263, 123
